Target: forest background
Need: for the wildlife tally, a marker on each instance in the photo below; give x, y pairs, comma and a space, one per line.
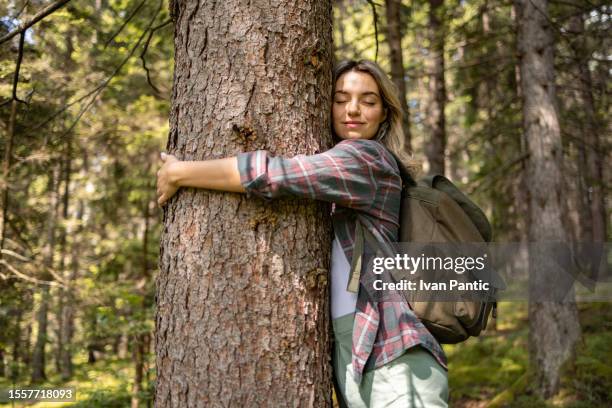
83, 124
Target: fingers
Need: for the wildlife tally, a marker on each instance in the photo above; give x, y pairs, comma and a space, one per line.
164, 191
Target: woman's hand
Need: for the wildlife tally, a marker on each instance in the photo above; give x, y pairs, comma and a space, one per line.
166, 185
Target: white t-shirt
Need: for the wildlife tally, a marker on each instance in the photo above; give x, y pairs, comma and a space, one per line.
343, 302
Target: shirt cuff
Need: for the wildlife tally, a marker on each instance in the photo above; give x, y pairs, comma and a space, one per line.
251, 166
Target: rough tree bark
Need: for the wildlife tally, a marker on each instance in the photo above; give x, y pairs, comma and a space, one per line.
394, 39
554, 327
242, 295
434, 118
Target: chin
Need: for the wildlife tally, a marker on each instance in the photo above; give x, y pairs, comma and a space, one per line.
352, 135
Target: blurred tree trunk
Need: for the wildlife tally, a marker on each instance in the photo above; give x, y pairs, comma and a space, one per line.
138, 362
92, 344
593, 221
141, 338
17, 346
434, 118
26, 351
6, 169
554, 327
394, 39
38, 354
342, 47
62, 300
242, 296
65, 314
67, 332
4, 197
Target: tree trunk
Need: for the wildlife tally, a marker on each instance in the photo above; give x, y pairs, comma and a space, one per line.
67, 331
17, 346
591, 162
394, 39
138, 361
242, 297
63, 292
38, 354
66, 297
434, 118
140, 339
554, 327
6, 169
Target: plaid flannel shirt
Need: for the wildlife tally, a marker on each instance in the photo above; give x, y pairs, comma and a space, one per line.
361, 178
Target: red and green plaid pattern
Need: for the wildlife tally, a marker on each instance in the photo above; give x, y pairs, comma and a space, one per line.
362, 179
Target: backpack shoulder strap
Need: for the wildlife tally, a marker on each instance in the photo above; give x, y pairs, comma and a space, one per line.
407, 179
439, 182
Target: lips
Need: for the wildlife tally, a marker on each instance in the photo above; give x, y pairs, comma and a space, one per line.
353, 124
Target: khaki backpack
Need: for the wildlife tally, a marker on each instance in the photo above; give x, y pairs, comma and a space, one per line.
435, 211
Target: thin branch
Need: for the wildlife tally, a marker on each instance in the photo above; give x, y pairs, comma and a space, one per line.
375, 18
500, 171
15, 255
39, 16
23, 258
127, 20
447, 68
26, 277
490, 123
103, 86
97, 90
144, 51
16, 74
25, 4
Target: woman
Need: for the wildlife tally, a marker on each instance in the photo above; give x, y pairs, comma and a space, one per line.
383, 355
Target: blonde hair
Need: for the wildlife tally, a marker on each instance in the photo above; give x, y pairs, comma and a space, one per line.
390, 133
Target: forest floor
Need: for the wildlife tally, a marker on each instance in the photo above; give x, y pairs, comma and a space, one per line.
488, 371
491, 370
106, 383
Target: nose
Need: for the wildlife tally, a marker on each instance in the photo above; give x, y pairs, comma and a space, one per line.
353, 108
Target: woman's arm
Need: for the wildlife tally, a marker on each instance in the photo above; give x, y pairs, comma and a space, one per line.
351, 174
219, 174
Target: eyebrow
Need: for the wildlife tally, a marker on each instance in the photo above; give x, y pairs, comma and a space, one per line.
364, 94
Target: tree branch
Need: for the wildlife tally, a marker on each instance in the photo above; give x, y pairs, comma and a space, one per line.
16, 74
127, 20
144, 51
375, 17
25, 277
39, 16
25, 4
496, 174
97, 90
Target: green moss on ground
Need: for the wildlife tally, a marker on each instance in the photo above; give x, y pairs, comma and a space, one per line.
493, 369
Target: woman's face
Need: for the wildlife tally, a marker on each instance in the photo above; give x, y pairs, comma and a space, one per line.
357, 108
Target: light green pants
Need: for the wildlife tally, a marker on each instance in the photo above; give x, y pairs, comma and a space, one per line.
415, 379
